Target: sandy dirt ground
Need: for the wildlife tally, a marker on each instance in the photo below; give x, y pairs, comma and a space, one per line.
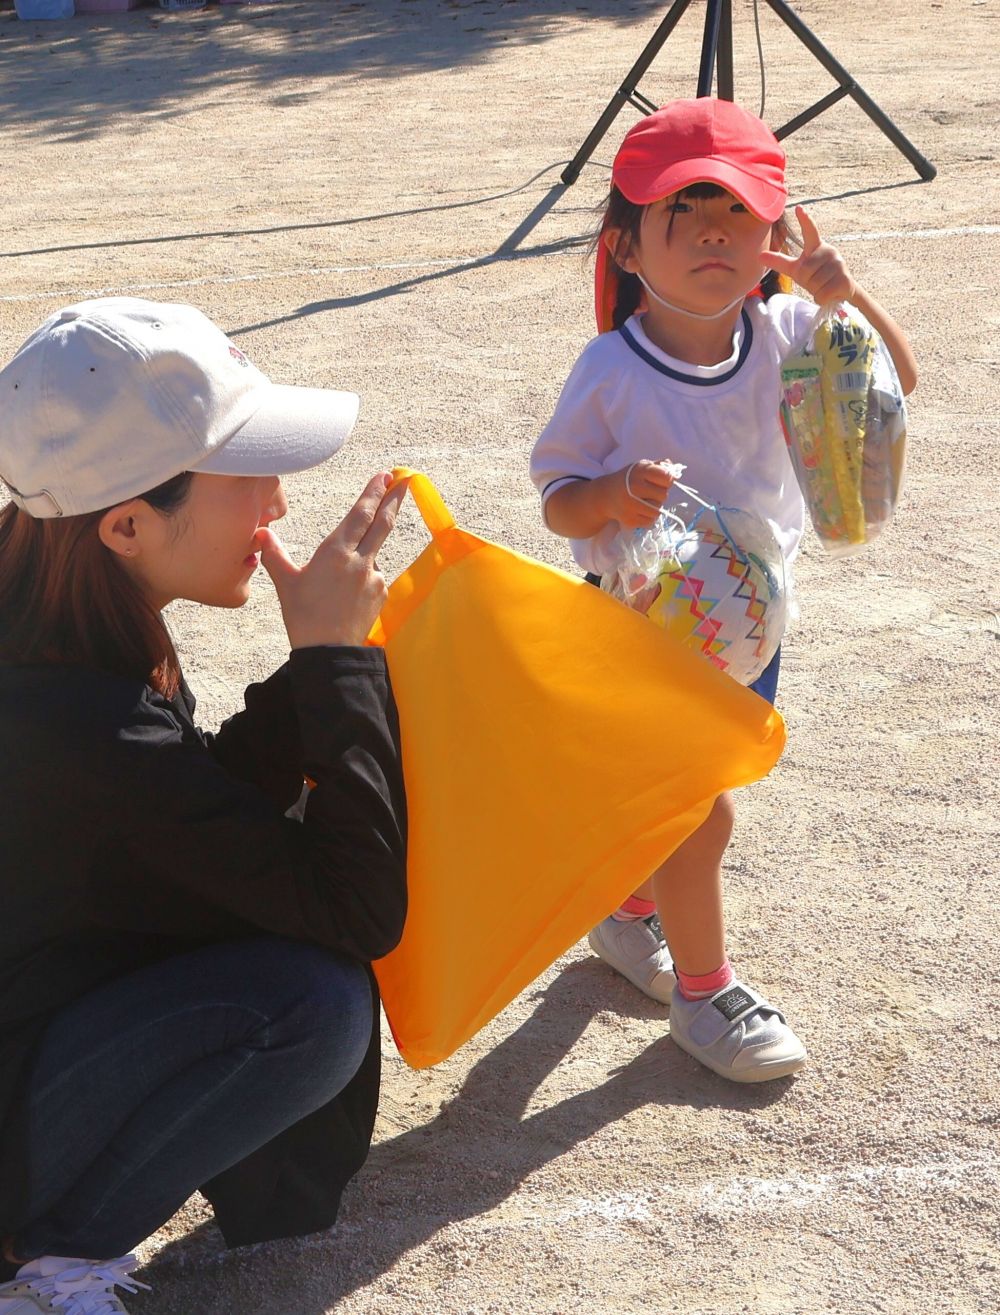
367, 194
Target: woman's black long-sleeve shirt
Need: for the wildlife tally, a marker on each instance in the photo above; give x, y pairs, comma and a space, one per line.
128, 835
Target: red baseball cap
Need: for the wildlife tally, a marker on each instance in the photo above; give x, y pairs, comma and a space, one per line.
694, 141
703, 141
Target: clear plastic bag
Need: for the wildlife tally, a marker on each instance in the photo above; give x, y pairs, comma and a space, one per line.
844, 420
712, 577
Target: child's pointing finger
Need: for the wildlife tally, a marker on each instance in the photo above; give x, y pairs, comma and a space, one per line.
810, 233
781, 261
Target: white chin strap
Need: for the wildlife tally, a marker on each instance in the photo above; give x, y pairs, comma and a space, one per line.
692, 314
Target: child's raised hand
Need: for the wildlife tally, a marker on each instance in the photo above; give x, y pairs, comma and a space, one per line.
819, 268
636, 494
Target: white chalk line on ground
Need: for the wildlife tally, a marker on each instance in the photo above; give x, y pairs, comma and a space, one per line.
744, 1195
730, 1199
972, 230
221, 279
324, 271
747, 1195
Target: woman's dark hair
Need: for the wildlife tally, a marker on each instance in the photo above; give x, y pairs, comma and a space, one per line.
64, 597
618, 212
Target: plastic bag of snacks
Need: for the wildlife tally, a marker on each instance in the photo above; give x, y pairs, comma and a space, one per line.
844, 420
712, 577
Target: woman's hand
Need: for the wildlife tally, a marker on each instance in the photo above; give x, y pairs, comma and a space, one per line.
819, 268
336, 596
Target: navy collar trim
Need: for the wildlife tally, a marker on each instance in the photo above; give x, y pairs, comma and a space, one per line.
699, 381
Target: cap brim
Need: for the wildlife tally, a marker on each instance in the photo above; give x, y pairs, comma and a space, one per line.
292, 429
766, 200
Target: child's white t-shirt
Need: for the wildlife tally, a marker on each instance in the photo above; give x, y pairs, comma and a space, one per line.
626, 400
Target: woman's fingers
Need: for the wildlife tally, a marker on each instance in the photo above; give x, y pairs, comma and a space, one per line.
335, 597
356, 524
370, 521
273, 557
382, 522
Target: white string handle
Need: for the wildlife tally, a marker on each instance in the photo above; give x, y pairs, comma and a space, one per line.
675, 469
684, 488
655, 506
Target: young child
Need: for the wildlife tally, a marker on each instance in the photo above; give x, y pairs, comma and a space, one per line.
686, 369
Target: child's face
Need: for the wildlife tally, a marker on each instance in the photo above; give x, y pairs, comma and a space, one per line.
700, 252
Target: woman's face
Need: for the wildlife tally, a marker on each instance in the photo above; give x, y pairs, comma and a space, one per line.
206, 551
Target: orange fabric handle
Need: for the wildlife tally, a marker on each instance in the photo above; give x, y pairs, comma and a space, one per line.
429, 502
448, 544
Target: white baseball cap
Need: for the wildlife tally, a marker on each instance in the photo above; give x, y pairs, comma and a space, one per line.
112, 397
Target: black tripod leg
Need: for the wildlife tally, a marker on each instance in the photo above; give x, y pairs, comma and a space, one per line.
624, 93
717, 50
725, 61
923, 166
709, 48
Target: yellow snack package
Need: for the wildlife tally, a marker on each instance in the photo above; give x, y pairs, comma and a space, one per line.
844, 420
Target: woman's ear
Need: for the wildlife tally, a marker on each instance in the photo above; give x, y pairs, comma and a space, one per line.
119, 528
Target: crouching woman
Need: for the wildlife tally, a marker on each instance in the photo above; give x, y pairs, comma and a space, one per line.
185, 1000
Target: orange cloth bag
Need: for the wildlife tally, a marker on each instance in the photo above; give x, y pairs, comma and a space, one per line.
556, 749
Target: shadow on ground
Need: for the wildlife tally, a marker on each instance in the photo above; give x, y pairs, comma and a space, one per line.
350, 221
65, 80
467, 1161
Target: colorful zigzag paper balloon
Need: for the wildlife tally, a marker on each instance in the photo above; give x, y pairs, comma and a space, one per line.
713, 578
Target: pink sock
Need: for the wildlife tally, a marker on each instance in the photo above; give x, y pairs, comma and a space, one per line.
706, 984
633, 909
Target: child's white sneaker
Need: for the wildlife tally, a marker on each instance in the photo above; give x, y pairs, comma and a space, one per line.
69, 1286
736, 1033
638, 952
